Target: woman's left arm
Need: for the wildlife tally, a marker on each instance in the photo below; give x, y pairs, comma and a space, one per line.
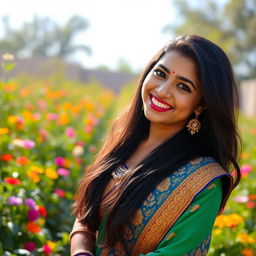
192, 231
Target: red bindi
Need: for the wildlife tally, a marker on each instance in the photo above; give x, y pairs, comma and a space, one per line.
173, 71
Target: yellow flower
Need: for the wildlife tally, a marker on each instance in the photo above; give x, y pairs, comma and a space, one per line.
4, 130
41, 222
217, 231
36, 169
51, 244
51, 173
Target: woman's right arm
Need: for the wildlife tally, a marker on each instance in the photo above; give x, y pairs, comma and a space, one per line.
81, 239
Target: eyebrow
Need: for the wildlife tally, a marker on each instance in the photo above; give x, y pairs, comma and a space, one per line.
179, 77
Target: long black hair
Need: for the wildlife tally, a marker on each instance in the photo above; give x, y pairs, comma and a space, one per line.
217, 138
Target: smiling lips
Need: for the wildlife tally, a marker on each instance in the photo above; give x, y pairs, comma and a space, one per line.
159, 105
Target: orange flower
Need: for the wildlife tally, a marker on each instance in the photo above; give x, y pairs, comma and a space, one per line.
33, 227
63, 119
231, 220
245, 238
252, 197
7, 157
22, 160
247, 252
4, 131
33, 176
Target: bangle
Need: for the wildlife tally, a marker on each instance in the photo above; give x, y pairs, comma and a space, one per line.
82, 252
84, 230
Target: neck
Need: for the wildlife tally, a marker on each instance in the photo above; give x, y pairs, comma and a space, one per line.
158, 133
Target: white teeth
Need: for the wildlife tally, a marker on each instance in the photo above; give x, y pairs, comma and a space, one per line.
159, 104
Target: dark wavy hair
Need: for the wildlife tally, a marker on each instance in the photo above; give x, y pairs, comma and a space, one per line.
217, 138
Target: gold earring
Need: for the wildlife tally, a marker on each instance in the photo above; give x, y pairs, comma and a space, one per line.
194, 125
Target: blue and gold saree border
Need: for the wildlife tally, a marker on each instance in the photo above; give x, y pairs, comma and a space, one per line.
165, 205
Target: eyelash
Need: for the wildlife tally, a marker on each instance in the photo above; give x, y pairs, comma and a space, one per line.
161, 74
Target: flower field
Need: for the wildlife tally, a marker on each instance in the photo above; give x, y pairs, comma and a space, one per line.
49, 132
235, 230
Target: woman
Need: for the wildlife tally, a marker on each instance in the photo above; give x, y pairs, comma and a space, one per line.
162, 176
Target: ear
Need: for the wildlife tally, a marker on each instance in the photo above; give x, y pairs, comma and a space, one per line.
199, 109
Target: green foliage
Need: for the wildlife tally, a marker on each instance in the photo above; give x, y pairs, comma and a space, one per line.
231, 25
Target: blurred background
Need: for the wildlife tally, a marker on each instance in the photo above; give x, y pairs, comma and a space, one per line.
67, 69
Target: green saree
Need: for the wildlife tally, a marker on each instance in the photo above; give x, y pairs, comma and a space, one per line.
178, 215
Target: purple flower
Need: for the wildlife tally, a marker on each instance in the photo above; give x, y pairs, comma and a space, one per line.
33, 215
14, 200
30, 203
63, 172
30, 246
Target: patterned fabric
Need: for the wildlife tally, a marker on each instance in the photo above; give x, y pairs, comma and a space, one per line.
164, 205
202, 249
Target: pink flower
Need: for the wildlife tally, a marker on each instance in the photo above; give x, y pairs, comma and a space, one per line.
30, 246
28, 144
46, 249
59, 161
33, 215
70, 132
52, 116
88, 129
30, 203
13, 200
42, 104
241, 199
63, 172
245, 169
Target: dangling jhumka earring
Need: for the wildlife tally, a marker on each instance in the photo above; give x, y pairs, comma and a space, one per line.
194, 125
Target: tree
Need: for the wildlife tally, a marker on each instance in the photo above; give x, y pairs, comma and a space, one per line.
42, 37
231, 25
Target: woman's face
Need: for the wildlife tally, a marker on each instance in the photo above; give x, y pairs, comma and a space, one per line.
171, 91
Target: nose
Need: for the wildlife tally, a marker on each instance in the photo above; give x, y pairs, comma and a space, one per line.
164, 89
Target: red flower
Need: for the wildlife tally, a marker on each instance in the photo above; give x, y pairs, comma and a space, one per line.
6, 157
59, 192
42, 211
12, 181
33, 227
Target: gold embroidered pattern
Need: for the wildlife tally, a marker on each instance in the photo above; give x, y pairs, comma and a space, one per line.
211, 186
195, 207
170, 236
173, 207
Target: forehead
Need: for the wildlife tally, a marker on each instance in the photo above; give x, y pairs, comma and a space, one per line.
182, 65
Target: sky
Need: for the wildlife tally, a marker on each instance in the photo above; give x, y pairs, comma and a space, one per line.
119, 29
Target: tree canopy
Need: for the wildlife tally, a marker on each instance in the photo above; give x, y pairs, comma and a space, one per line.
231, 25
42, 37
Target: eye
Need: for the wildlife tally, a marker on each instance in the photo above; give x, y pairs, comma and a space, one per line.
184, 87
159, 73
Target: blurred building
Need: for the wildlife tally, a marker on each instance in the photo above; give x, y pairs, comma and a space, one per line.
45, 67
